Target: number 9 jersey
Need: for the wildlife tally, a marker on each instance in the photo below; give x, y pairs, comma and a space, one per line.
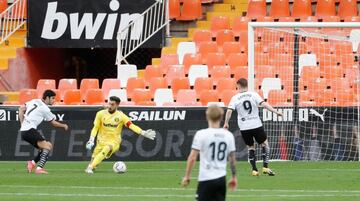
36, 112
246, 105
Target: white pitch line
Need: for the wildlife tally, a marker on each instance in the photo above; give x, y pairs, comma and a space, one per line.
165, 195
178, 189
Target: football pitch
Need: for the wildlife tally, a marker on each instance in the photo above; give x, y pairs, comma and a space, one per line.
160, 181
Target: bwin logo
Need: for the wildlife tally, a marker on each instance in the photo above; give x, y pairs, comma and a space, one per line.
87, 23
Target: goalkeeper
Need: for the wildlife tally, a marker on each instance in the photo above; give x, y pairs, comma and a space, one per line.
107, 128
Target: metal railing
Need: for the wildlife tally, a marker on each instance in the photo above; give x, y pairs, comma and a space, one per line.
12, 19
141, 29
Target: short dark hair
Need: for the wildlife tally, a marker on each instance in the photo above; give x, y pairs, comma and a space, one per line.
242, 82
48, 93
115, 98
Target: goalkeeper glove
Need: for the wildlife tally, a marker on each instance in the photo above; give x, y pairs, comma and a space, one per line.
150, 134
90, 143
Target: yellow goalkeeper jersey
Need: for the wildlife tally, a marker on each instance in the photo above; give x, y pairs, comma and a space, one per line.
108, 127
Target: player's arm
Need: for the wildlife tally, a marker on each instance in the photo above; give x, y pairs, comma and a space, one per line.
150, 134
227, 118
189, 166
270, 108
59, 125
94, 131
22, 110
232, 161
231, 108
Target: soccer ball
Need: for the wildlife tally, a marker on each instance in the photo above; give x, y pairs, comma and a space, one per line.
119, 167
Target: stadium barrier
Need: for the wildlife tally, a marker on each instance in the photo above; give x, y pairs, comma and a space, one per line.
289, 136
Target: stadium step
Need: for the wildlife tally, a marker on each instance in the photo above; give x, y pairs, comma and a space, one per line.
155, 61
235, 1
203, 24
4, 63
236, 7
175, 41
7, 52
10, 96
169, 50
14, 41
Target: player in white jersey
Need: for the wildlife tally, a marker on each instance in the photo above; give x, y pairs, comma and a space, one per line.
31, 115
215, 146
246, 104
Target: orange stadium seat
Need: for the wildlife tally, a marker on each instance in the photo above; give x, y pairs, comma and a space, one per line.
301, 8
325, 8
330, 19
325, 97
94, 97
332, 72
347, 8
141, 95
352, 19
279, 8
157, 83
237, 59
256, 9
127, 103
146, 103
202, 83
72, 97
219, 72
223, 36
226, 96
310, 72
240, 72
174, 71
185, 96
43, 85
339, 84
26, 95
208, 96
109, 84
279, 98
87, 84
205, 48
226, 84
65, 84
174, 9
215, 59
191, 10
180, 83
3, 5
201, 35
152, 71
262, 72
240, 24
134, 83
231, 48
219, 23
57, 97
191, 59
167, 60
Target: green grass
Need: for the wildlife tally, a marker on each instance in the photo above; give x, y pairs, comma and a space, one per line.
160, 181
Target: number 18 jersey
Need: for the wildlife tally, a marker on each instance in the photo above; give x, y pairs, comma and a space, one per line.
246, 105
214, 145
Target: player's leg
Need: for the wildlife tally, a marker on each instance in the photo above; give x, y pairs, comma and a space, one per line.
45, 148
204, 192
105, 151
220, 189
261, 138
249, 141
32, 136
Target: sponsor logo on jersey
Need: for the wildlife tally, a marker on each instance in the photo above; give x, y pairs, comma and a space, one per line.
157, 115
110, 125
